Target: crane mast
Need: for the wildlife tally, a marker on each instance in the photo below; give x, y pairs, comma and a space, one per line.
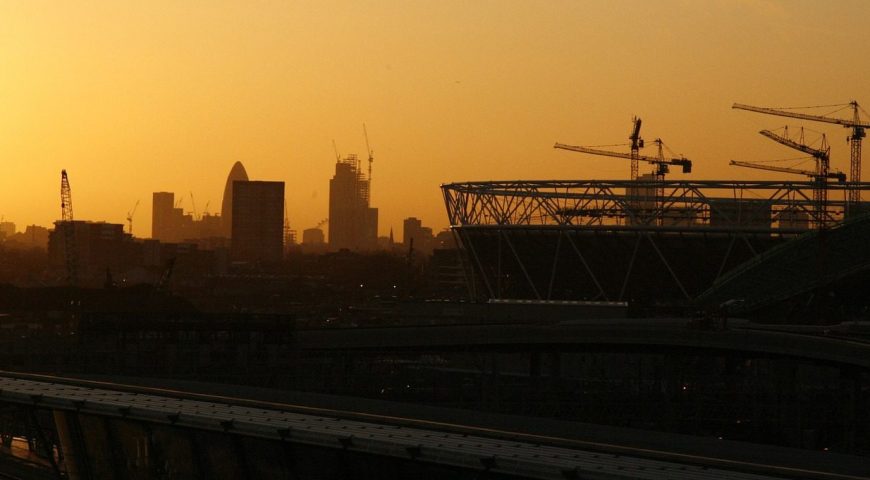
636, 145
68, 224
858, 133
130, 217
370, 152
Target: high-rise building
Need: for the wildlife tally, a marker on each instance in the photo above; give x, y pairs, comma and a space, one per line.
353, 223
237, 174
413, 230
163, 222
258, 221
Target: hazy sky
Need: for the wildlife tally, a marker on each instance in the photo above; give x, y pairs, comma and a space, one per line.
135, 97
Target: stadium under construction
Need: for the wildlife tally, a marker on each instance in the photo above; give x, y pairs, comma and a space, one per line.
644, 242
654, 242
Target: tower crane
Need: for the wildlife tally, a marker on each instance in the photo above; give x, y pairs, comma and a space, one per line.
839, 176
67, 221
821, 154
193, 204
820, 187
289, 234
370, 151
820, 176
334, 147
636, 145
130, 214
661, 163
855, 123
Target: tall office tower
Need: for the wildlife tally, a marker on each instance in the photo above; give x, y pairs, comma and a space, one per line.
237, 173
162, 218
353, 224
258, 221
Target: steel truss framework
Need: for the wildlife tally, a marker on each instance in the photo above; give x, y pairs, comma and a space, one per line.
649, 242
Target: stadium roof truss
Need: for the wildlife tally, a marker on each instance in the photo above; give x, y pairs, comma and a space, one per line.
752, 216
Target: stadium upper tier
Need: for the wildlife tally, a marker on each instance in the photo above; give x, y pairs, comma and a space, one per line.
677, 205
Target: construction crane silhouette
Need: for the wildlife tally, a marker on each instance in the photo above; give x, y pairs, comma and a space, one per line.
839, 176
370, 152
819, 176
636, 145
322, 223
193, 205
661, 163
335, 148
130, 214
289, 234
69, 239
854, 138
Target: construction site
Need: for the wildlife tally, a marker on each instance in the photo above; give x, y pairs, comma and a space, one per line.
723, 246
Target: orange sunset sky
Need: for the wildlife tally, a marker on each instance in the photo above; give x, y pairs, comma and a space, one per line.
158, 95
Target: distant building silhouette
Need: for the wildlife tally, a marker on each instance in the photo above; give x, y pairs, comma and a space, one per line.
422, 236
313, 240
165, 218
7, 229
258, 221
237, 174
33, 236
171, 224
313, 236
353, 223
99, 246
